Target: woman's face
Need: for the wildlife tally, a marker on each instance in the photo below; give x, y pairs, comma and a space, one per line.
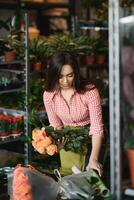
66, 77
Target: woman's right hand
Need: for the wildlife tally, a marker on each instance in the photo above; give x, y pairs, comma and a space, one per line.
94, 164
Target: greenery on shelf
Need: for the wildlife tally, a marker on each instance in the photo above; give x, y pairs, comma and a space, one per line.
68, 43
8, 101
35, 98
100, 7
4, 125
37, 51
101, 46
11, 42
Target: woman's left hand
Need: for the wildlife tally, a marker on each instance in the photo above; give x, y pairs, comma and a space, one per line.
62, 142
94, 164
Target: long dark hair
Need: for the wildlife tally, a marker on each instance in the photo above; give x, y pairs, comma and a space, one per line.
54, 69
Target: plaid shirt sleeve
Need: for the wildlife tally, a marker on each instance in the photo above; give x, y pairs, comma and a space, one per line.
54, 120
93, 101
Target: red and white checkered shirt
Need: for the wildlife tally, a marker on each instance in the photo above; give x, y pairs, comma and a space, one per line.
84, 109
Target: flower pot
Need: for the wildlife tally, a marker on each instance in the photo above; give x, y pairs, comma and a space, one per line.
90, 59
130, 154
9, 55
68, 159
100, 59
37, 66
16, 125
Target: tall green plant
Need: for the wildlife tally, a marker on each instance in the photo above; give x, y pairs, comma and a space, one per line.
11, 40
37, 50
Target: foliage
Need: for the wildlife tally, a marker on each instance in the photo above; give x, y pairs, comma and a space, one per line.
11, 41
129, 144
8, 101
69, 43
35, 98
4, 125
102, 12
37, 51
101, 46
76, 137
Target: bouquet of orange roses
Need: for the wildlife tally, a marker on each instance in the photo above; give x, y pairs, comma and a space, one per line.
48, 141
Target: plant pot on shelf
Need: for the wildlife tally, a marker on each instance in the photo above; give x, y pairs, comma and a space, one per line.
37, 66
9, 55
16, 125
100, 58
68, 159
130, 154
90, 59
4, 126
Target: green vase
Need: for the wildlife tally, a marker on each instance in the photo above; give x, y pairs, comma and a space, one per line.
68, 159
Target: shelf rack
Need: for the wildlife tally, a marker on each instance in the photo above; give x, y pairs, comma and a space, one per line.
24, 112
32, 5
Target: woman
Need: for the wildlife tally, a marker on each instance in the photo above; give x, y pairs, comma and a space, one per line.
69, 100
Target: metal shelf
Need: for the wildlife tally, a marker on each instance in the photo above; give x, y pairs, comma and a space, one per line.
12, 111
43, 6
25, 111
10, 91
32, 5
96, 28
11, 139
11, 62
12, 70
129, 192
92, 25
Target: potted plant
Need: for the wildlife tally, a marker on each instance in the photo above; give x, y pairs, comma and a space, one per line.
37, 53
16, 125
11, 43
77, 45
4, 126
129, 147
101, 51
89, 51
60, 43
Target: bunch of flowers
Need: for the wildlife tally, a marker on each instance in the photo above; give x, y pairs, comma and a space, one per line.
49, 141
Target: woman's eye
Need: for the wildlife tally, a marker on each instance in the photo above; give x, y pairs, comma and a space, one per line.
70, 75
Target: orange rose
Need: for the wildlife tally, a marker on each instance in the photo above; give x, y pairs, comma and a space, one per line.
38, 134
41, 145
46, 141
40, 149
51, 149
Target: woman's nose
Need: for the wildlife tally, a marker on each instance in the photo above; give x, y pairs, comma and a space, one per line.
65, 80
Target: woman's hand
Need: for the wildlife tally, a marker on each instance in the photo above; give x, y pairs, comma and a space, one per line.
94, 164
62, 142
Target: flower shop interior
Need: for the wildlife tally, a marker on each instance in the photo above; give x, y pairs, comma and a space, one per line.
100, 34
